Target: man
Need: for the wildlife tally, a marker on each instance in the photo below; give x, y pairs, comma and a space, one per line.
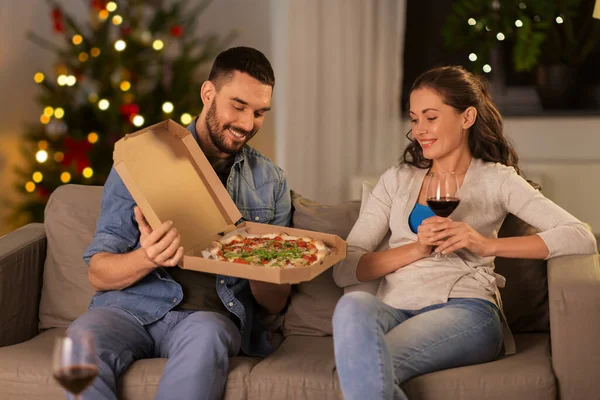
146, 306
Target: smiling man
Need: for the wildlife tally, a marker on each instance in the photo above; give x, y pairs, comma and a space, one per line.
146, 306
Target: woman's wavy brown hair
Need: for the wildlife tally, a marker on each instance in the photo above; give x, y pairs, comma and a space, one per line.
460, 90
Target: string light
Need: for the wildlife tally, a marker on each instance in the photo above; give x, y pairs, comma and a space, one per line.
559, 20
44, 119
167, 107
117, 20
37, 177
111, 6
43, 145
65, 177
473, 57
522, 6
30, 186
103, 15
103, 104
125, 86
518, 23
61, 80
186, 118
38, 77
138, 120
48, 111
88, 172
41, 156
83, 56
59, 156
487, 28
92, 137
487, 69
120, 45
77, 39
95, 52
59, 113
71, 80
500, 36
158, 45
92, 97
472, 21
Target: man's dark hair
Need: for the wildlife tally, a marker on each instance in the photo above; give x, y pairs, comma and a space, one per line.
242, 59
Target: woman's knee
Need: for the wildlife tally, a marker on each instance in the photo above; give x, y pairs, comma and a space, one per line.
355, 306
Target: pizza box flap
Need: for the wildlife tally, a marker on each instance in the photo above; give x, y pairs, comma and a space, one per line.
170, 179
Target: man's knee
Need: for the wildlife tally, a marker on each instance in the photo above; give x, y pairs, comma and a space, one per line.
210, 329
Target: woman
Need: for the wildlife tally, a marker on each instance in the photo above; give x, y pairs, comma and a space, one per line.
429, 313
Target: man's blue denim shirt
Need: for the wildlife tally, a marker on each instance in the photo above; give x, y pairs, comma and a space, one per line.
261, 193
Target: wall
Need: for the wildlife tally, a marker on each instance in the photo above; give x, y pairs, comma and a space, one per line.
20, 59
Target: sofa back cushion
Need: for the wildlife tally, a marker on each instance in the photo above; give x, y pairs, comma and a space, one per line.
70, 222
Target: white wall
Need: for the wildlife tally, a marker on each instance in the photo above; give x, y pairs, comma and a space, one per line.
20, 59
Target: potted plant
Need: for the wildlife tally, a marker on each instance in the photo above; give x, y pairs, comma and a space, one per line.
551, 37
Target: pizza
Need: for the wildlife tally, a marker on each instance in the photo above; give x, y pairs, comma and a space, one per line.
275, 250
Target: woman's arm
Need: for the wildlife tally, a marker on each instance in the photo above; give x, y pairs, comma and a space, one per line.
375, 265
372, 225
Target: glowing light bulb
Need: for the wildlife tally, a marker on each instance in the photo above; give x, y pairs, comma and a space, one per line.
30, 186
44, 119
117, 20
167, 107
500, 36
473, 57
83, 56
48, 111
120, 45
59, 113
158, 45
125, 86
103, 15
95, 52
37, 177
65, 177
559, 20
77, 39
42, 145
41, 156
487, 69
518, 23
88, 172
92, 137
103, 104
38, 77
111, 6
186, 118
138, 120
472, 21
59, 156
61, 80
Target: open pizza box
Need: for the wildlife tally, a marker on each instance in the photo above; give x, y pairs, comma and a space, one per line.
170, 179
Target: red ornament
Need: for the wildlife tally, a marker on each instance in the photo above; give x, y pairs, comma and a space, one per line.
43, 191
58, 24
176, 30
127, 110
98, 5
76, 152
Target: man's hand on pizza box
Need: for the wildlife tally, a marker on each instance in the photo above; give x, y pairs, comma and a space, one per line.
161, 246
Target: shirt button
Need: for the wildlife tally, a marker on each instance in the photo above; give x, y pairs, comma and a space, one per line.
222, 281
175, 300
230, 304
256, 218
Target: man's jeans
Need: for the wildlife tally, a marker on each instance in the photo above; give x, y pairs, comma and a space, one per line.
378, 347
197, 344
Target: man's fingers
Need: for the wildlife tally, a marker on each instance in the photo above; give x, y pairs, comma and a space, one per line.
153, 250
158, 233
169, 252
173, 261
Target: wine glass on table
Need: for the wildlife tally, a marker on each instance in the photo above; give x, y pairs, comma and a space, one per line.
442, 196
74, 363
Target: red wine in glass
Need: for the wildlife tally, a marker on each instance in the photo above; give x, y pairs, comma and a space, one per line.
74, 364
442, 195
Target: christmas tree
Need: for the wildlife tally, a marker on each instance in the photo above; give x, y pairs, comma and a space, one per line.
134, 64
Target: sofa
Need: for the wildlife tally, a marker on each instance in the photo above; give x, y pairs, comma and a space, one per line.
553, 309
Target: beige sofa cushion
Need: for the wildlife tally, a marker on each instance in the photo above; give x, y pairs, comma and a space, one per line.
70, 221
303, 368
25, 373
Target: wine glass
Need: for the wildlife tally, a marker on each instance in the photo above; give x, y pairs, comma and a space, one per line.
74, 363
442, 196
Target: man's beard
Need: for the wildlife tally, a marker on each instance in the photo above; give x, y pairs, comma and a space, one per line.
216, 133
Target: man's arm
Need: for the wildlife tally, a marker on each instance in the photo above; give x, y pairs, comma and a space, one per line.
118, 271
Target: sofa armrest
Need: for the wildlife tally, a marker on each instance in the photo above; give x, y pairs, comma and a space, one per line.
22, 256
574, 297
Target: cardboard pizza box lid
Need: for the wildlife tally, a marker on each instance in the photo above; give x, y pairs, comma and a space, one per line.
170, 179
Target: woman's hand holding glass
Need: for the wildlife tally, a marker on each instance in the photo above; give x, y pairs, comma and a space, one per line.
450, 236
